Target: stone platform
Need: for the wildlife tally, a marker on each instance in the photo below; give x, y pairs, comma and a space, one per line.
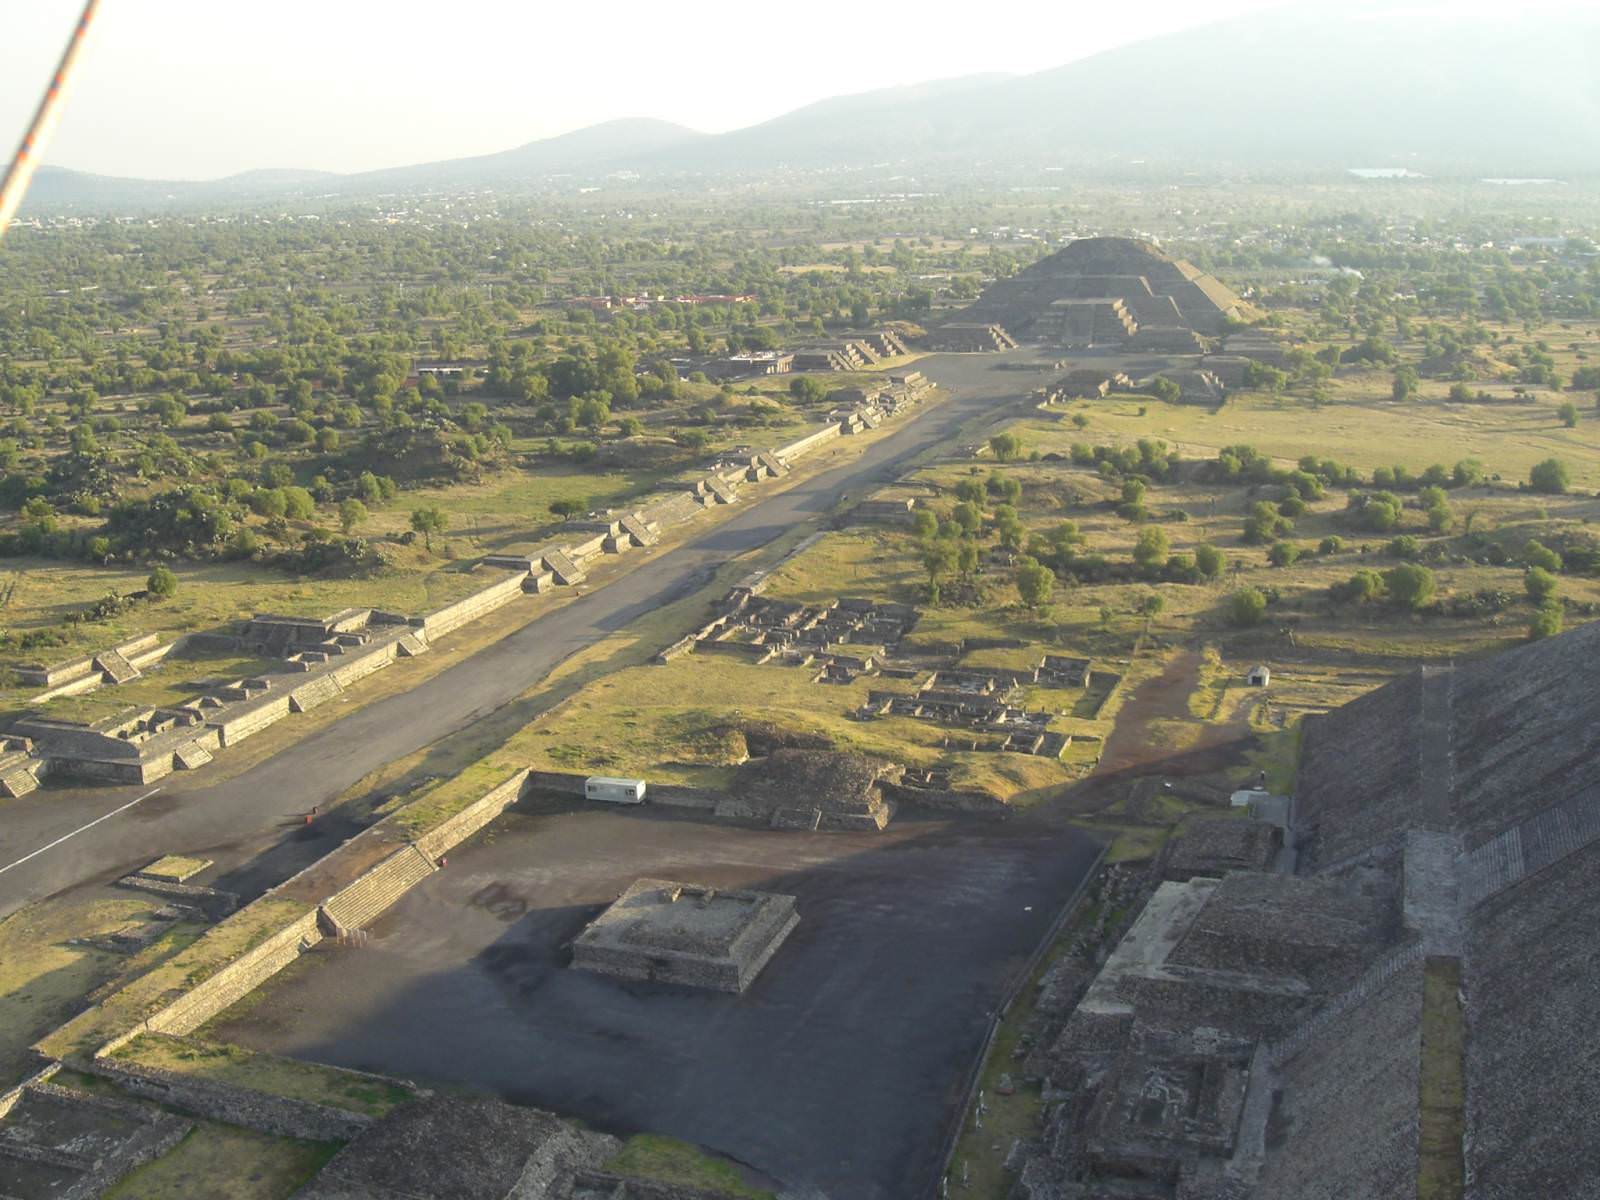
680, 933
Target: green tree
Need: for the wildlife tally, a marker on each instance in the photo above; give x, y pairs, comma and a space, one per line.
1552, 477
1547, 622
971, 491
1209, 560
1283, 554
1165, 390
1035, 583
298, 504
1409, 585
807, 389
938, 560
1568, 412
1363, 587
162, 582
1150, 548
1541, 584
429, 521
268, 502
1536, 554
1007, 447
1246, 607
351, 513
924, 524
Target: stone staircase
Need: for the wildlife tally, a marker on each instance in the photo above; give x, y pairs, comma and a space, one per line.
191, 756
411, 644
18, 781
1377, 975
309, 695
361, 903
637, 529
1539, 842
566, 571
115, 668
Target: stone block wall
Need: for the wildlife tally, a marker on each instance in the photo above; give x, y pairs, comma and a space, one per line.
581, 552
357, 664
236, 980
569, 782
242, 720
480, 603
474, 817
58, 673
357, 905
808, 443
280, 1116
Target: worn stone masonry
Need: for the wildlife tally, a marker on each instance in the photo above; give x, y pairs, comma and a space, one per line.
666, 932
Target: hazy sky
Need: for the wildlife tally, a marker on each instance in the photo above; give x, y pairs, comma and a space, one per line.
200, 88
203, 88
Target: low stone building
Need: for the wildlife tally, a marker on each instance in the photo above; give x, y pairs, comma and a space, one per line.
813, 789
666, 932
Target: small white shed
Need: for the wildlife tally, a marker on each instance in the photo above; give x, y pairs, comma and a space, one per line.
614, 791
1258, 676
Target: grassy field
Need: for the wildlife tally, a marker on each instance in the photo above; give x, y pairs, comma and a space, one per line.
665, 1160
224, 1162
211, 595
156, 986
48, 967
265, 1073
1366, 430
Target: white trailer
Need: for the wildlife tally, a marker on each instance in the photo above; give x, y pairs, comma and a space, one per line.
614, 791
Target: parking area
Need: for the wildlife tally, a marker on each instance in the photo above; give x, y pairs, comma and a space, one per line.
836, 1070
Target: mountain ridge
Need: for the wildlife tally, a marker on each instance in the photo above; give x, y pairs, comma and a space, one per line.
1313, 89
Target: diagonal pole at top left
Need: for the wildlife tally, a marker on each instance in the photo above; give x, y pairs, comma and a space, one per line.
26, 160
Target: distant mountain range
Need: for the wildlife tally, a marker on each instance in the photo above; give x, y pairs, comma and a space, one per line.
1295, 90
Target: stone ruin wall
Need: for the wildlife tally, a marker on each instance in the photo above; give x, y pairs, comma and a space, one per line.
480, 603
281, 1116
474, 817
238, 979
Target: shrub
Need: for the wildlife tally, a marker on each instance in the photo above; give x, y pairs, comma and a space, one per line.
1007, 447
1547, 622
1034, 583
1361, 588
298, 504
1552, 477
1246, 607
1150, 548
1536, 554
1265, 523
1404, 547
1409, 586
1283, 554
1540, 583
1331, 544
162, 582
1209, 561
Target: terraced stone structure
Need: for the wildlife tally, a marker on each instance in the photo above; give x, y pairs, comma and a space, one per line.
1110, 292
1408, 1013
665, 932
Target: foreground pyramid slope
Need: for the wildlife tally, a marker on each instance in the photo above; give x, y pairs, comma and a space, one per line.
1407, 1010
